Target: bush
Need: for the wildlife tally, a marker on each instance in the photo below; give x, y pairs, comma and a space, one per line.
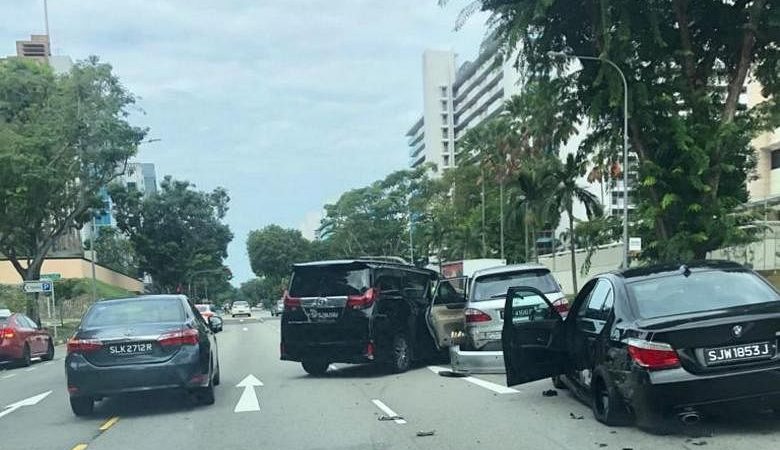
13, 298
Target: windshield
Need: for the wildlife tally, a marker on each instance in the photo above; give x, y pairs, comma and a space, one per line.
133, 311
491, 287
329, 281
701, 291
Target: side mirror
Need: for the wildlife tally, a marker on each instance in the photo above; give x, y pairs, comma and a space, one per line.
215, 323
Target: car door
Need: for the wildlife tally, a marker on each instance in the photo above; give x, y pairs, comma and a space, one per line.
532, 337
591, 317
29, 331
445, 313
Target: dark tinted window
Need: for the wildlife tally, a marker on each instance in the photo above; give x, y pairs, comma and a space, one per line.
448, 294
329, 281
701, 291
776, 159
416, 286
600, 302
131, 311
495, 286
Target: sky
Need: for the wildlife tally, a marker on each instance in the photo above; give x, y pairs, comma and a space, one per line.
286, 104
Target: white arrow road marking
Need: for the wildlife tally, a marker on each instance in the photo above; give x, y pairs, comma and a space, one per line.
248, 400
26, 402
497, 388
386, 409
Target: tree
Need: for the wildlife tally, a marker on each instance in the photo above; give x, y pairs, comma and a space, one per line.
177, 232
115, 251
263, 291
62, 138
686, 62
565, 191
273, 250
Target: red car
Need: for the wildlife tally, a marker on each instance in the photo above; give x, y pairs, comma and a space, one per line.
206, 311
21, 339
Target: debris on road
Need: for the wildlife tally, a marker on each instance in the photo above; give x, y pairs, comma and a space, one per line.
601, 444
389, 418
426, 433
550, 393
576, 417
451, 374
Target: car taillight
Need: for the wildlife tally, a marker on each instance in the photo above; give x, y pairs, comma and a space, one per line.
83, 345
653, 355
475, 316
291, 303
362, 301
182, 337
562, 306
7, 333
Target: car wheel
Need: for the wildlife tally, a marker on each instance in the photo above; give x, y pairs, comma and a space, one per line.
608, 405
216, 376
82, 406
558, 383
206, 394
315, 367
49, 352
26, 358
401, 357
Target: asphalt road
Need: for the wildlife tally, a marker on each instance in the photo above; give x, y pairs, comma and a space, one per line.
338, 411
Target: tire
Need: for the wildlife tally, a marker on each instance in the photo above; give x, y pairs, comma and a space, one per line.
315, 367
82, 406
206, 394
26, 358
558, 383
608, 405
49, 352
400, 354
216, 379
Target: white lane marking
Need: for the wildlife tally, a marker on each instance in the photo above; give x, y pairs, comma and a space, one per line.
386, 409
245, 329
497, 388
29, 369
248, 400
10, 375
241, 320
26, 402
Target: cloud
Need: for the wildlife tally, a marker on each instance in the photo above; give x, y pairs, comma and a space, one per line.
285, 103
310, 224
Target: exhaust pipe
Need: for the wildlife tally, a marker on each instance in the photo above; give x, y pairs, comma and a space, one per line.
689, 417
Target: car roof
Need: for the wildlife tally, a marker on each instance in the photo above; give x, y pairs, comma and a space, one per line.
367, 262
508, 269
144, 297
663, 269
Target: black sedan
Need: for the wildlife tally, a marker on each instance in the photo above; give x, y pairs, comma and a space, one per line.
652, 345
140, 344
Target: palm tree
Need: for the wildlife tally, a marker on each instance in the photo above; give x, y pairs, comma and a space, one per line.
530, 192
566, 190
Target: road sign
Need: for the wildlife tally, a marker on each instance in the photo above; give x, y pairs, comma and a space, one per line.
51, 276
31, 287
635, 244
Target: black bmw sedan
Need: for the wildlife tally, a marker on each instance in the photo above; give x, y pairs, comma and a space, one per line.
653, 345
140, 344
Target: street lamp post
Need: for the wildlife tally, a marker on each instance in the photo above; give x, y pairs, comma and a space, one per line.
625, 141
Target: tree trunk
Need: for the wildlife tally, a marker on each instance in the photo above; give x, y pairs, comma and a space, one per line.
571, 245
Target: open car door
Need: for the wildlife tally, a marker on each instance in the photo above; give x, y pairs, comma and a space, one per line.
532, 337
445, 313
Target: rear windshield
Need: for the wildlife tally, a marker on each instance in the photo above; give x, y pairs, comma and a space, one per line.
700, 291
240, 304
491, 287
329, 281
128, 312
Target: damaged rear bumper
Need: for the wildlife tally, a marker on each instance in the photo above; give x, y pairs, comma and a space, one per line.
476, 362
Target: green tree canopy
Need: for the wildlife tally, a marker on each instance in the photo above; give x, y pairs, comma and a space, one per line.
273, 250
177, 232
686, 63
